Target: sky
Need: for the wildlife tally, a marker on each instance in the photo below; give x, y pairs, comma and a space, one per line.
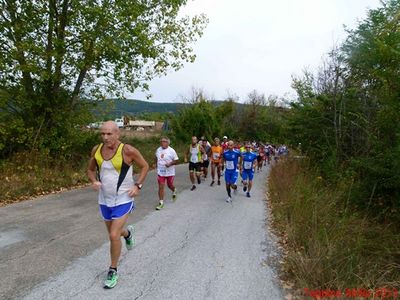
258, 45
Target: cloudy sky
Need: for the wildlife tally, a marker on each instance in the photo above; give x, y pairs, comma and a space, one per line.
258, 44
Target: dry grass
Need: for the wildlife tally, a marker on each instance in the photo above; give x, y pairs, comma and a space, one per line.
26, 175
33, 174
328, 246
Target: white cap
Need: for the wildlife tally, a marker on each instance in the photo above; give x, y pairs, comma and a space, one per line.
225, 137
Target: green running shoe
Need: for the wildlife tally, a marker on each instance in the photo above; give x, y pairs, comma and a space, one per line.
160, 206
111, 280
174, 195
130, 242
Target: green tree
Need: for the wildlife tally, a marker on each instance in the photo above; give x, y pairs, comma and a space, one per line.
197, 119
348, 116
53, 53
372, 52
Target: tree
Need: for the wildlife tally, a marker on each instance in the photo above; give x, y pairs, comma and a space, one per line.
348, 116
53, 53
372, 52
196, 119
253, 119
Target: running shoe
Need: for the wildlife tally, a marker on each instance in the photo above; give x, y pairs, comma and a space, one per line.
193, 188
219, 182
160, 206
228, 200
248, 195
111, 280
174, 195
130, 242
212, 183
245, 188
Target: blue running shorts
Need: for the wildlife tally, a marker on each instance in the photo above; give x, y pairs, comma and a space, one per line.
116, 212
247, 174
231, 177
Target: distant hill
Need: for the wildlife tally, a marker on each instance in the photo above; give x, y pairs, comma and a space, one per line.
120, 107
115, 108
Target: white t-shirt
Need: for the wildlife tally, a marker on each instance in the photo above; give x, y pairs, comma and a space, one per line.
165, 156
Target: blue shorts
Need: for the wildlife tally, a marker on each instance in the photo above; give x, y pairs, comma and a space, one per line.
247, 174
231, 177
116, 212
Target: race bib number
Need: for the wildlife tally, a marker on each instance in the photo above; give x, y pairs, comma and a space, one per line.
162, 169
194, 158
230, 165
248, 165
216, 155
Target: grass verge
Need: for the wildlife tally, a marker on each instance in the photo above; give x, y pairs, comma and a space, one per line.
29, 174
327, 245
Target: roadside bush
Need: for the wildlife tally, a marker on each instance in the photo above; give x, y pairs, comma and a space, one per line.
329, 244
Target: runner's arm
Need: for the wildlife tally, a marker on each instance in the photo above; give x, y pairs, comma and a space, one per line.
186, 155
173, 162
92, 170
133, 155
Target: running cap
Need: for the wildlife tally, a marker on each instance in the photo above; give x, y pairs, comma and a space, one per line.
225, 137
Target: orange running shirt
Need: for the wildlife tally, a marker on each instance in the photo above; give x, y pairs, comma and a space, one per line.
216, 153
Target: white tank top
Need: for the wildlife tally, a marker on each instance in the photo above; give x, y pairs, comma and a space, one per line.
116, 178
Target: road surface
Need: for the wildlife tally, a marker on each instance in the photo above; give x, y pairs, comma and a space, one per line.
199, 247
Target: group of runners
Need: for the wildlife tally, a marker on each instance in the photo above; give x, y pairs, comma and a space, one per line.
223, 157
111, 174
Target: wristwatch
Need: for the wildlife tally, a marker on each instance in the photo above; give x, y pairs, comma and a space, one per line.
139, 185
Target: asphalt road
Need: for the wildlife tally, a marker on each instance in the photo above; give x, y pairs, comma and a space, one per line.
199, 247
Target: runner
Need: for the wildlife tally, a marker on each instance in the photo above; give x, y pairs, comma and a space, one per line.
216, 156
231, 157
224, 146
242, 149
206, 156
268, 153
166, 160
260, 157
113, 160
224, 143
247, 169
195, 151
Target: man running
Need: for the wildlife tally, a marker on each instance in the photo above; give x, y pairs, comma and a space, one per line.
260, 157
247, 168
216, 156
231, 158
195, 152
224, 145
166, 160
206, 156
113, 161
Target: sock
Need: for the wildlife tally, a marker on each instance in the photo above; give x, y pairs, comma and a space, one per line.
114, 269
161, 201
228, 189
128, 236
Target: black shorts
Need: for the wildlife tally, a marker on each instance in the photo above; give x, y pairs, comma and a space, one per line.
194, 167
259, 158
206, 163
